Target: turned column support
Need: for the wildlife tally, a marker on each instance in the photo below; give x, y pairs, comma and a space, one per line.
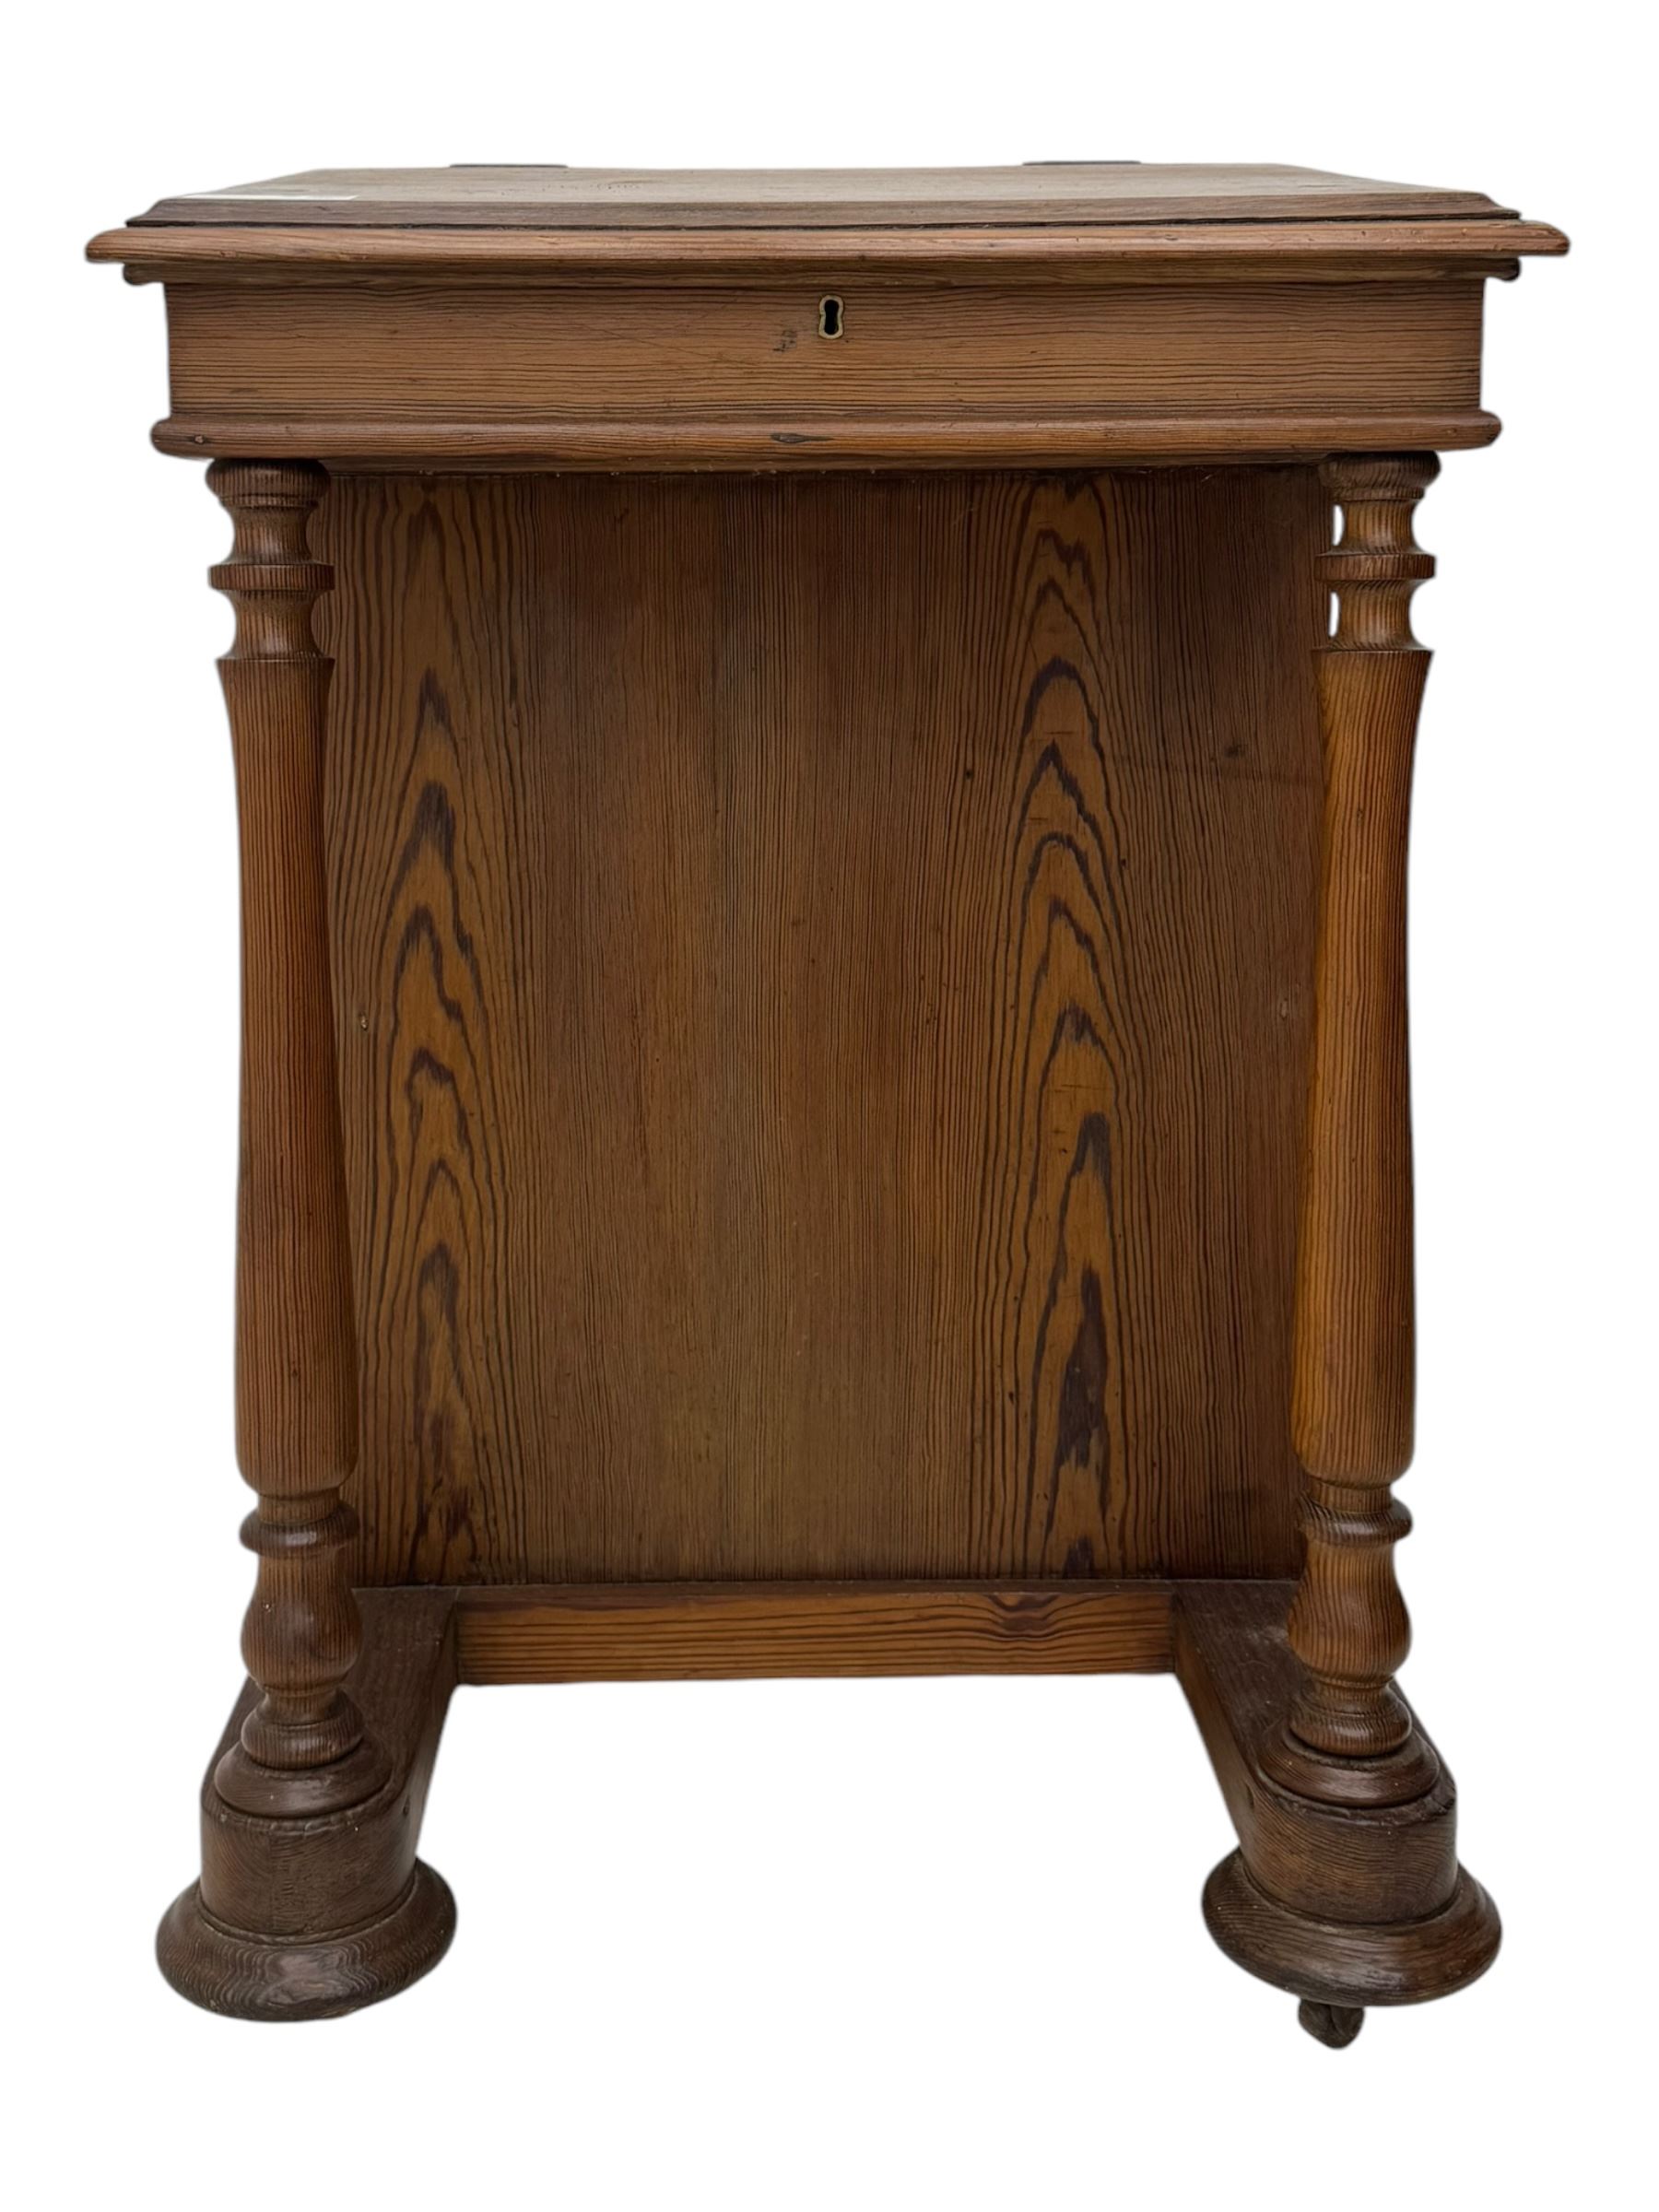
302, 1749
1350, 1738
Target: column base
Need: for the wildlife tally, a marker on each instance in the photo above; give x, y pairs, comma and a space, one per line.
1342, 1965
1346, 1905
300, 1917
251, 1977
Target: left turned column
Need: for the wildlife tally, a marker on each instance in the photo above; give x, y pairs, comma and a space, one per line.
312, 1899
302, 1748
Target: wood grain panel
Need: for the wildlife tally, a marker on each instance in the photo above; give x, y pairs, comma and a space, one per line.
710, 1632
435, 864
824, 972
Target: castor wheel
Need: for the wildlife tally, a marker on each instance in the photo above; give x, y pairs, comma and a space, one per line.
1335, 2026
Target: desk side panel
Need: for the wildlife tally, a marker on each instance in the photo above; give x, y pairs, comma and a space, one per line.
823, 969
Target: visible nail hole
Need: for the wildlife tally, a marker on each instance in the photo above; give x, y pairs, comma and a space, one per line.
831, 320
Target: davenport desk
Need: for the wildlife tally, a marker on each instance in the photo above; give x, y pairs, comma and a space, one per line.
823, 763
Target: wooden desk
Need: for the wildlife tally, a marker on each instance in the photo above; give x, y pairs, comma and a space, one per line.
824, 1024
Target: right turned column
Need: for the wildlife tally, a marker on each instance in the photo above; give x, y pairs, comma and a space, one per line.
1350, 1738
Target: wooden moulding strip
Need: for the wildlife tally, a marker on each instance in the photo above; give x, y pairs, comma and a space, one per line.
660, 443
1130, 253
708, 1631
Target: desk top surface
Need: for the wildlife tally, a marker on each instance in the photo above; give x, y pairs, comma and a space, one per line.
1087, 195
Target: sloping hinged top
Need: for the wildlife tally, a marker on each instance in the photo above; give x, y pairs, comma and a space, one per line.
1076, 194
1069, 314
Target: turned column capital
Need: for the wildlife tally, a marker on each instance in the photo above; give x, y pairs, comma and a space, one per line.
1376, 563
268, 575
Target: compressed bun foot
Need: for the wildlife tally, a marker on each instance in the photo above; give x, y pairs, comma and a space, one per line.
1335, 2026
1343, 1965
254, 1977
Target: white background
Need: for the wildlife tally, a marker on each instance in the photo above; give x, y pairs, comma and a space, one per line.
829, 1944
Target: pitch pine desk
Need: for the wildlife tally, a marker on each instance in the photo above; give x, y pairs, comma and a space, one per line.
824, 1066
